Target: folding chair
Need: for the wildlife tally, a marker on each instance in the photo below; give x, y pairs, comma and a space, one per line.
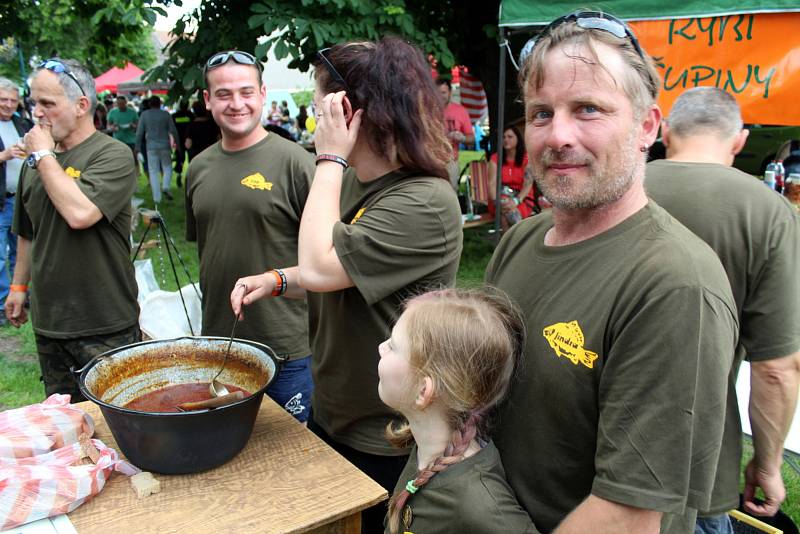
477, 194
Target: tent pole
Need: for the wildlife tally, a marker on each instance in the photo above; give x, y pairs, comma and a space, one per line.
501, 104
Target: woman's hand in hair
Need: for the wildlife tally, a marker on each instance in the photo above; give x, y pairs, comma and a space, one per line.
337, 125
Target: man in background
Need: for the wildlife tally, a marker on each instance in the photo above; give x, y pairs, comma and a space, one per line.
756, 234
156, 126
12, 156
181, 118
457, 126
122, 122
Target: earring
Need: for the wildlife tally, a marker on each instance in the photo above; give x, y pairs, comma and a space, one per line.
643, 148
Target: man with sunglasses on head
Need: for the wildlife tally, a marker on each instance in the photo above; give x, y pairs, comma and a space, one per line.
12, 158
244, 198
72, 217
616, 422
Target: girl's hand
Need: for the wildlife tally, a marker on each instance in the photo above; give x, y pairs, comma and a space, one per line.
250, 289
333, 135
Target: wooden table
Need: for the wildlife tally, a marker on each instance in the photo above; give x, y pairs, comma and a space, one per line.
482, 219
285, 480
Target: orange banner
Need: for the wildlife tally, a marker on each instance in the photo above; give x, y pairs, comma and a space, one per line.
756, 58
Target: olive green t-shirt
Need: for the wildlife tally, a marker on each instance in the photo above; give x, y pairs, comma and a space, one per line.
243, 208
83, 281
400, 235
469, 496
756, 234
623, 386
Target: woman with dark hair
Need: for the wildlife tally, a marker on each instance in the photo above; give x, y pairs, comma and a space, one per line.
518, 198
301, 118
369, 239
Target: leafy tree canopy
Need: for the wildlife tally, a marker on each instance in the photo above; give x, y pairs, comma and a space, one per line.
98, 33
446, 29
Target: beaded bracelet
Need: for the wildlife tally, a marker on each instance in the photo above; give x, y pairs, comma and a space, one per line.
284, 283
280, 283
332, 157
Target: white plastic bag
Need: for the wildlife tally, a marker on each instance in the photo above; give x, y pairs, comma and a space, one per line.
145, 278
162, 315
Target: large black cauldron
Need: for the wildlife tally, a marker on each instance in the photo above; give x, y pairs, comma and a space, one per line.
173, 443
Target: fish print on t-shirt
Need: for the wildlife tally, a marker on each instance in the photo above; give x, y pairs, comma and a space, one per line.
257, 181
566, 339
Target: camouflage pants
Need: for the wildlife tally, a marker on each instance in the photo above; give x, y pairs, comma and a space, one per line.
56, 356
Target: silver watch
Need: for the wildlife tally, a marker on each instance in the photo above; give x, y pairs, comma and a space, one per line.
35, 157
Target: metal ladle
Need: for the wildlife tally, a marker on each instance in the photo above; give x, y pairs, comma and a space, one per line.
218, 389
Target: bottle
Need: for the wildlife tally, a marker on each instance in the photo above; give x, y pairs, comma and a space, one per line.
513, 217
780, 174
769, 175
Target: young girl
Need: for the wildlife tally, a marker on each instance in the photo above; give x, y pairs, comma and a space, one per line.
447, 364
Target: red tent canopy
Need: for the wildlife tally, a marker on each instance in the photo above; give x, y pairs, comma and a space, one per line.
109, 80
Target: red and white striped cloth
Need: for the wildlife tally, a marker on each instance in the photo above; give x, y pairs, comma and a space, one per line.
40, 428
473, 97
54, 480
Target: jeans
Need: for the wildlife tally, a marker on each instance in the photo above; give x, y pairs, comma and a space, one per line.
293, 387
159, 161
8, 248
717, 524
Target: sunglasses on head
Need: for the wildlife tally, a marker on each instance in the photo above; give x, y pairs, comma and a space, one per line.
221, 58
332, 70
595, 20
54, 65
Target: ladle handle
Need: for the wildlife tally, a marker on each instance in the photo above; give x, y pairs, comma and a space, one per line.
228, 350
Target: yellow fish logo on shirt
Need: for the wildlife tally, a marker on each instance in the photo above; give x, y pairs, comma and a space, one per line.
257, 181
566, 339
73, 173
358, 215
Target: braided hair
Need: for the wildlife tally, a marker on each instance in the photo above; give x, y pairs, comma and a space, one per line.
469, 342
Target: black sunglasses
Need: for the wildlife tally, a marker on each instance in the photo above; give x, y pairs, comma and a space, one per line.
332, 70
243, 58
594, 20
54, 65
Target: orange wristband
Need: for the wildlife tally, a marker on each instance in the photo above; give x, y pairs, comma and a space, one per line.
22, 288
278, 291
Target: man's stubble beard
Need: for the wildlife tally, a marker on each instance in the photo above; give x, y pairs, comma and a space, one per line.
599, 190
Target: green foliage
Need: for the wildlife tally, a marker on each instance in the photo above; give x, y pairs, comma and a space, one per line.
297, 30
304, 97
98, 33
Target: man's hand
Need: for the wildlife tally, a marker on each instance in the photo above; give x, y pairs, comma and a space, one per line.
14, 151
39, 138
15, 308
771, 484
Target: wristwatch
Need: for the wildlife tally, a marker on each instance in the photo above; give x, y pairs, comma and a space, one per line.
35, 157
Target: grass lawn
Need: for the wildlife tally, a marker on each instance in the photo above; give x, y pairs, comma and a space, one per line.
19, 382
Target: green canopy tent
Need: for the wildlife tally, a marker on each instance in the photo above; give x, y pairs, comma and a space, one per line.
526, 16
